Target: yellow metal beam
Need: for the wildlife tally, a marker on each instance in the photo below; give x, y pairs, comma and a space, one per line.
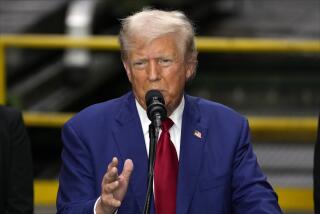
297, 129
43, 119
204, 44
60, 41
300, 129
2, 75
290, 199
45, 192
209, 44
295, 199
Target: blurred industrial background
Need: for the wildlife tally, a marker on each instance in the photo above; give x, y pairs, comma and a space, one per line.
260, 57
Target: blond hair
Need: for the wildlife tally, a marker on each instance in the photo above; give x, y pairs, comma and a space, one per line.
150, 24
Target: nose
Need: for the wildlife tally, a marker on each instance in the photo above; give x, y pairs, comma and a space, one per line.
153, 71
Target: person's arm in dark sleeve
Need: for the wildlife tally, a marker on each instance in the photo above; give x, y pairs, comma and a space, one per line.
20, 177
252, 194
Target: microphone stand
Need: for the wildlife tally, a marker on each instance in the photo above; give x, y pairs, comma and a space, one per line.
153, 135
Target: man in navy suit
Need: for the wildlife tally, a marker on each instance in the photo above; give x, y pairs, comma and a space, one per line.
105, 155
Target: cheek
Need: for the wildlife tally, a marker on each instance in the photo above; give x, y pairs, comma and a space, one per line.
139, 83
137, 77
178, 79
176, 85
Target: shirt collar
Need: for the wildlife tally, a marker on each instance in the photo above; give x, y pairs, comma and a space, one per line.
176, 116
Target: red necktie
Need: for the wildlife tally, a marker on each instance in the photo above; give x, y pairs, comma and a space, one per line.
165, 172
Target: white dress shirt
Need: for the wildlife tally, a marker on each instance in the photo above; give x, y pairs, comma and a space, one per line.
175, 130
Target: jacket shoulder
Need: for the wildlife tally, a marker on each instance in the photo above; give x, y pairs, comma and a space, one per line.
98, 113
208, 108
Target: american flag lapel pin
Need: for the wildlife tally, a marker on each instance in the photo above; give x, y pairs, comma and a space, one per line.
197, 134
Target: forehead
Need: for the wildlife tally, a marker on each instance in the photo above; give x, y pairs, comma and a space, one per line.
164, 45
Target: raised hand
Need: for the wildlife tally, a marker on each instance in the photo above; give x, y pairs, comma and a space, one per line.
114, 187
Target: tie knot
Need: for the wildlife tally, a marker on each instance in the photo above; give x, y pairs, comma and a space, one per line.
166, 124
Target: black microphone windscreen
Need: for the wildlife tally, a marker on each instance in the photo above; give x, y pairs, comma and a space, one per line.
154, 95
155, 104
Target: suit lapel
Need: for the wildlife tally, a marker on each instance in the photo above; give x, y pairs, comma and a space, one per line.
130, 140
192, 140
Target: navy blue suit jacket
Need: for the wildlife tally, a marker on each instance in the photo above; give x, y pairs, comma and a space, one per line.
218, 173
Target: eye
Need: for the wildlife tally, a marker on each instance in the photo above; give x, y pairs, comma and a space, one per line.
165, 61
140, 64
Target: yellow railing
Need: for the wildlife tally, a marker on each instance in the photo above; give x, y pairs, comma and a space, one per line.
299, 129
3, 88
290, 199
283, 129
204, 44
46, 119
276, 128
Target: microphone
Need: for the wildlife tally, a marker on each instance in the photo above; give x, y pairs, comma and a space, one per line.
156, 109
156, 112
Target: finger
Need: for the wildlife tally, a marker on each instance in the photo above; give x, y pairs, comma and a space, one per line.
127, 169
111, 175
111, 187
114, 163
112, 171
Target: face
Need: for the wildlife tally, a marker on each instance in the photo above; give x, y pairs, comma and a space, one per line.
158, 65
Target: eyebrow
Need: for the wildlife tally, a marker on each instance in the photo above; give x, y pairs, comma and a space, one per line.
156, 57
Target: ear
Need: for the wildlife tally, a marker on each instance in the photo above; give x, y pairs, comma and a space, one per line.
189, 70
127, 68
191, 67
